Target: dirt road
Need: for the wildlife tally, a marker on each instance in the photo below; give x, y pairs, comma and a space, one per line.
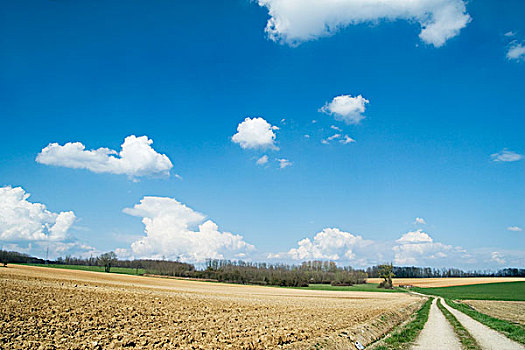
486, 337
438, 333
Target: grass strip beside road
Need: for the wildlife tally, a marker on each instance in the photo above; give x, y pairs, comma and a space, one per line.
400, 339
511, 330
510, 291
467, 341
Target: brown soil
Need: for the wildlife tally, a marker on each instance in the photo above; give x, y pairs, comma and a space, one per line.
513, 311
45, 308
447, 282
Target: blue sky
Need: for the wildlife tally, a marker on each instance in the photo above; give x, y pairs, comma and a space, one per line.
186, 74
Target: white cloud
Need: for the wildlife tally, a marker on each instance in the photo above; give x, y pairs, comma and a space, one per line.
346, 108
21, 220
510, 34
418, 248
346, 140
263, 160
514, 228
414, 237
335, 128
283, 163
255, 133
420, 221
497, 257
342, 139
516, 52
175, 231
506, 156
329, 244
296, 21
306, 136
330, 138
137, 158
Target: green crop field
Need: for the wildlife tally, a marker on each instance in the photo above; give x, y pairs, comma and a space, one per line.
121, 270
490, 291
368, 287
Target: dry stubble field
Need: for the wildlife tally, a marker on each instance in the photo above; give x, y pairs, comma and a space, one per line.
45, 308
447, 282
513, 311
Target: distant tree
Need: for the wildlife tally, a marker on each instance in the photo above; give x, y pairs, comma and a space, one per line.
3, 258
386, 272
107, 260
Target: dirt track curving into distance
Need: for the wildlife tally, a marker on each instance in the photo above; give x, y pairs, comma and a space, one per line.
437, 334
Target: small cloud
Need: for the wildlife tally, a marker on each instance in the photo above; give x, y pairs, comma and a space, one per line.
516, 52
307, 136
283, 163
283, 121
263, 160
415, 237
346, 108
333, 137
255, 133
497, 257
314, 121
335, 128
510, 34
179, 177
346, 140
514, 228
420, 221
506, 156
324, 142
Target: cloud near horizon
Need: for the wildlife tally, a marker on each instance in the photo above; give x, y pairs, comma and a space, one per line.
21, 220
29, 227
418, 248
329, 244
136, 159
295, 21
175, 231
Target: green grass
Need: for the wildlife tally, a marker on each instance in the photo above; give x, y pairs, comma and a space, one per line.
467, 342
368, 287
513, 331
490, 291
120, 270
400, 339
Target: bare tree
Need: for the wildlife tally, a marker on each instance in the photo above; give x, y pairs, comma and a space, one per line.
107, 260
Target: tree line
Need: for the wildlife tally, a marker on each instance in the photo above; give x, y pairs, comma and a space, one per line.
428, 272
309, 272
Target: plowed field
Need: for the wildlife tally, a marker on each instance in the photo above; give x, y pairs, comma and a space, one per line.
45, 308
